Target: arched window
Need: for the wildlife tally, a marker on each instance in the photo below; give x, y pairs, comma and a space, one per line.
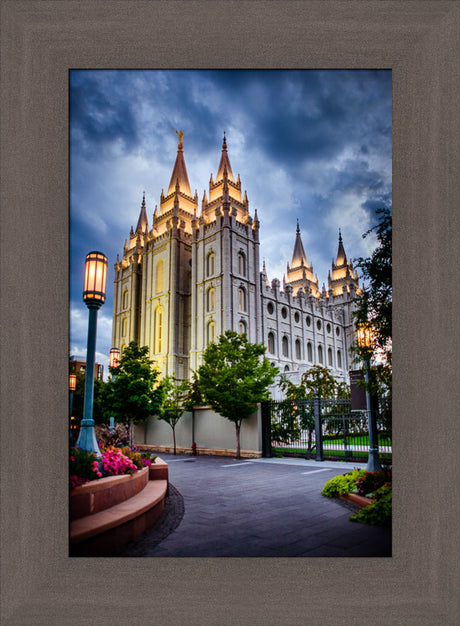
159, 276
309, 352
210, 300
242, 327
271, 343
124, 327
298, 350
158, 329
339, 359
210, 262
241, 264
286, 368
329, 357
285, 346
210, 332
320, 354
125, 299
241, 299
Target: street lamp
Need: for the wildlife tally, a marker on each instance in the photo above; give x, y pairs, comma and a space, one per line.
114, 361
366, 347
72, 387
94, 297
114, 357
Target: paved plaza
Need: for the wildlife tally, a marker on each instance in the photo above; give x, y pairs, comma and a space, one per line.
223, 507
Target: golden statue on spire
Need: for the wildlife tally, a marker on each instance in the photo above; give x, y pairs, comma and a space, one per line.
180, 134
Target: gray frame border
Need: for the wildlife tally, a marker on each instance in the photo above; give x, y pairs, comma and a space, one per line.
41, 40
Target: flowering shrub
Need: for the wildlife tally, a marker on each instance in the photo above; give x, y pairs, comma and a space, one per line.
114, 462
342, 485
83, 467
380, 511
371, 481
140, 459
118, 436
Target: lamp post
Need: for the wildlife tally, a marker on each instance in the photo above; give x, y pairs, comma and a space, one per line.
114, 361
366, 346
94, 297
72, 387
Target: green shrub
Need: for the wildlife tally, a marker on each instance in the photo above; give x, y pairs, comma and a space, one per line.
342, 485
83, 467
379, 512
371, 481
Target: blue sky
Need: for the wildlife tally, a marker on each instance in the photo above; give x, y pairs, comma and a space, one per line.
313, 145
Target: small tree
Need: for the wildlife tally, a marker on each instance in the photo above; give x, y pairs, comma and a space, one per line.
99, 399
234, 377
135, 392
174, 402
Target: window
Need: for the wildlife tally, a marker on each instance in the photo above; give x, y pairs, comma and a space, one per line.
124, 327
210, 300
125, 299
159, 277
339, 359
298, 353
329, 357
337, 331
320, 354
308, 320
271, 343
242, 327
158, 329
241, 299
286, 368
210, 332
210, 264
270, 308
284, 312
309, 352
318, 325
328, 328
296, 317
241, 264
285, 346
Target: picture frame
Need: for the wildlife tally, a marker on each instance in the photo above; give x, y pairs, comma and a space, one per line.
41, 41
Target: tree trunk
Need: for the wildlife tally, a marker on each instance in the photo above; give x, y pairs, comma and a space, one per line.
174, 439
238, 450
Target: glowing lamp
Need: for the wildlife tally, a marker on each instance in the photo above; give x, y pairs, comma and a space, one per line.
114, 358
365, 338
72, 382
95, 279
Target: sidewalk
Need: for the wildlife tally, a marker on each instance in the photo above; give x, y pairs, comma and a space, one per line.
254, 508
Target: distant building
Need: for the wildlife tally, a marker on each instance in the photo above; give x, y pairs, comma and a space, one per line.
195, 272
78, 364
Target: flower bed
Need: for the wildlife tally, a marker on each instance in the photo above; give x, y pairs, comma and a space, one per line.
84, 466
370, 490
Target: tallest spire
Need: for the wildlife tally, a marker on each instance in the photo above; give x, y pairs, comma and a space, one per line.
298, 256
179, 175
224, 164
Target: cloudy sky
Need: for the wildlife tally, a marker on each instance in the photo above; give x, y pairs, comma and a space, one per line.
308, 144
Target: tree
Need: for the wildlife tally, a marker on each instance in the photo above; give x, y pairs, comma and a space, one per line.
135, 393
174, 402
317, 380
234, 377
375, 304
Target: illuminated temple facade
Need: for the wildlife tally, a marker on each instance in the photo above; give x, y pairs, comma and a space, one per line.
195, 272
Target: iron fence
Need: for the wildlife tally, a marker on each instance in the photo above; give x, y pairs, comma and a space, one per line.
320, 428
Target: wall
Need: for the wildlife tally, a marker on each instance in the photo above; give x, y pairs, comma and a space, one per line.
213, 434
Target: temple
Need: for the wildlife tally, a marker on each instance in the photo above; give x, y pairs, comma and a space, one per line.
195, 273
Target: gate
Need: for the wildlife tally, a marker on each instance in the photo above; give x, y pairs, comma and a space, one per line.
319, 429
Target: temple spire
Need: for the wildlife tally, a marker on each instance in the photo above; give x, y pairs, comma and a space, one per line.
341, 256
298, 257
179, 174
142, 222
224, 164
